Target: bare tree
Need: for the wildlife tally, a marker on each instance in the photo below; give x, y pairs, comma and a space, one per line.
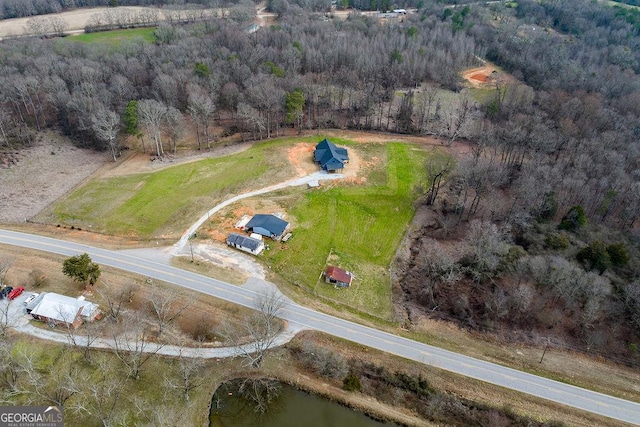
161, 416
134, 349
251, 117
37, 27
457, 117
426, 107
190, 378
116, 298
174, 126
58, 25
5, 317
90, 334
437, 168
102, 394
5, 265
5, 121
38, 278
260, 392
166, 308
260, 329
151, 115
10, 370
490, 245
267, 97
67, 320
104, 124
632, 302
55, 386
201, 108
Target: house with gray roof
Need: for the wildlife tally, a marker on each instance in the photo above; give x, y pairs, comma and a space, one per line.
330, 157
245, 243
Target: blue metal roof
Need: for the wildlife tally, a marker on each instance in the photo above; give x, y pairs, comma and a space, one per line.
330, 156
271, 223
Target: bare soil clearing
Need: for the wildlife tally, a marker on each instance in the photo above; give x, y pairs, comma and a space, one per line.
485, 76
479, 77
76, 20
40, 174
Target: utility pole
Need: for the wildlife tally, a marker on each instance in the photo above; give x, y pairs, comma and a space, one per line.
545, 350
191, 237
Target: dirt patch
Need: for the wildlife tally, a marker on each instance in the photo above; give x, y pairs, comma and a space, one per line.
36, 176
78, 19
301, 157
479, 77
486, 76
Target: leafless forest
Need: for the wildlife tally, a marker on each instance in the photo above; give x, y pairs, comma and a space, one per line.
534, 233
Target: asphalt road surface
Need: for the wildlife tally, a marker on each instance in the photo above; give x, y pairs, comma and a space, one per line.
591, 401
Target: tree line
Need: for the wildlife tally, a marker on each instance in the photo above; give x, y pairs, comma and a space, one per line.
348, 72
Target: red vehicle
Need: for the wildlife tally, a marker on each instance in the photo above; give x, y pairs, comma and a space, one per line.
15, 293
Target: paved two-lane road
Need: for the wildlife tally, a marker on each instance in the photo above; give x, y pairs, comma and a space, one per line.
598, 403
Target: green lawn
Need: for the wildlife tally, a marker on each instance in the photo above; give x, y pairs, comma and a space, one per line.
165, 203
357, 227
484, 95
116, 37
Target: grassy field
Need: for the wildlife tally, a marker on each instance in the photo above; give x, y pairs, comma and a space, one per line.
357, 227
116, 37
164, 203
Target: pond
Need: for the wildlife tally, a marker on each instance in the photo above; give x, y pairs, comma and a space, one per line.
254, 403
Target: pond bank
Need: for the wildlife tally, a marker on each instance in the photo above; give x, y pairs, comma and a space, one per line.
355, 401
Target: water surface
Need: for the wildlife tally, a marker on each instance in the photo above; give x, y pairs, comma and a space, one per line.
288, 407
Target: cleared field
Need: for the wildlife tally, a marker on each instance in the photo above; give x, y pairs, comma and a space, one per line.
164, 203
115, 37
355, 226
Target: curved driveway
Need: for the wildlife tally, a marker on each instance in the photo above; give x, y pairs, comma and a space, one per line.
316, 176
591, 401
19, 321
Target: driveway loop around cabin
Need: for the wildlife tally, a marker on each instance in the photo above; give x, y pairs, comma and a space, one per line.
20, 322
